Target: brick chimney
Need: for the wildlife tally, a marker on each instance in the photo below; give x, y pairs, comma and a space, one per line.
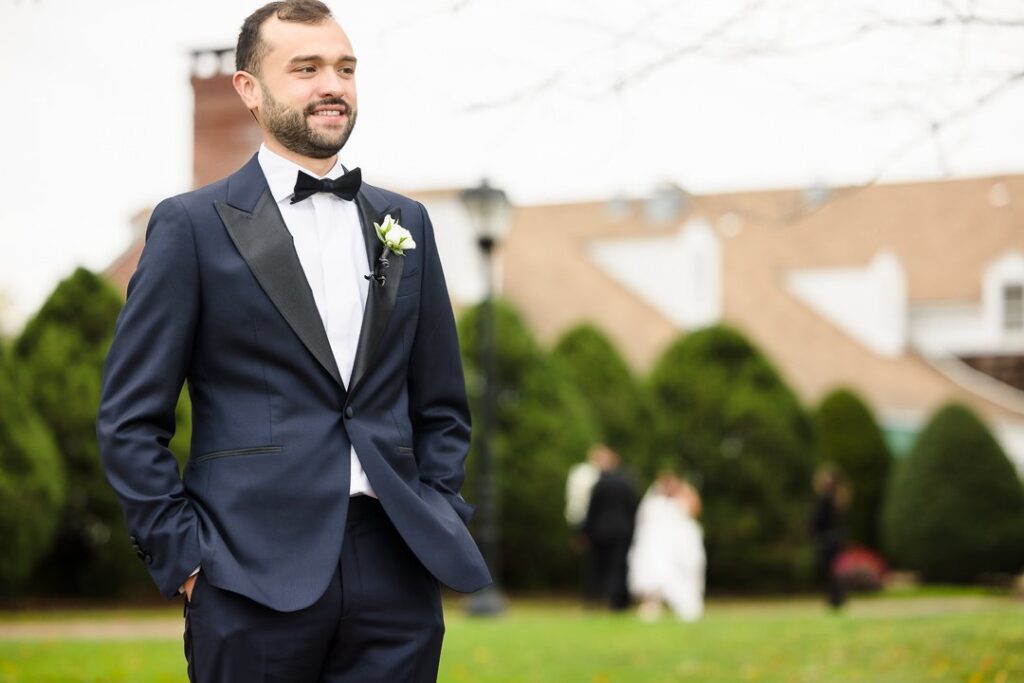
225, 134
224, 137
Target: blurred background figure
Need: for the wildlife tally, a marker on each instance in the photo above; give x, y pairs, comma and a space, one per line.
667, 560
608, 526
579, 484
828, 527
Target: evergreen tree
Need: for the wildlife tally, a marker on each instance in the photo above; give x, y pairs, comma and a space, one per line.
542, 428
850, 438
728, 420
955, 507
620, 408
62, 348
32, 484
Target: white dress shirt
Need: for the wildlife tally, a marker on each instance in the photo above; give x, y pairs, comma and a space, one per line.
332, 251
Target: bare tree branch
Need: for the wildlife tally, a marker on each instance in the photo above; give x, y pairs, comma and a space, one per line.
937, 126
558, 75
696, 46
789, 215
738, 37
453, 7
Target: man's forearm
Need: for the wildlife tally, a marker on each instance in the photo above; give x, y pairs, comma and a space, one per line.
145, 369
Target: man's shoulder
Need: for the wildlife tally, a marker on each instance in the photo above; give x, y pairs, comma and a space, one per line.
389, 199
188, 211
202, 196
244, 186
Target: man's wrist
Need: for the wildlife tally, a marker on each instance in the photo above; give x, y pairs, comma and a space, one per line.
181, 588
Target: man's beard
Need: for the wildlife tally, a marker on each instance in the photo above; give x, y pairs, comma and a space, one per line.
291, 128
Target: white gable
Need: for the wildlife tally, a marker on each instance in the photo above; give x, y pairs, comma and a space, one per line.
680, 275
869, 304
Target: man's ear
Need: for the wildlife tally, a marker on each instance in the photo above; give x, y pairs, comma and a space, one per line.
248, 88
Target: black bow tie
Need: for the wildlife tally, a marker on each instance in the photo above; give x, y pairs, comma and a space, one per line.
345, 186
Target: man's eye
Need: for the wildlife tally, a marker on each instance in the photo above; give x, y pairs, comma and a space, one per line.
306, 69
347, 70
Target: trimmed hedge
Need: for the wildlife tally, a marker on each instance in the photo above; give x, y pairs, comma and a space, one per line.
850, 437
955, 507
62, 348
728, 420
542, 428
32, 482
619, 406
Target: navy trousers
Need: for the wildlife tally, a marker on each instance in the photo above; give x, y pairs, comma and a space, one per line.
380, 620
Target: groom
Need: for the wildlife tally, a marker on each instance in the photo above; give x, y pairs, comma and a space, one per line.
320, 508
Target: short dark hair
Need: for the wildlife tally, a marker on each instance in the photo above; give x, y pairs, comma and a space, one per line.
251, 49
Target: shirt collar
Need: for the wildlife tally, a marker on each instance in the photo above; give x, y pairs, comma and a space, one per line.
281, 173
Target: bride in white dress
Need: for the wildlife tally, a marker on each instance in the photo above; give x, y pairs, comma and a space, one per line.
666, 560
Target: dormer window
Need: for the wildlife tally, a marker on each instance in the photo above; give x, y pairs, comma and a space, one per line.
1003, 301
1013, 307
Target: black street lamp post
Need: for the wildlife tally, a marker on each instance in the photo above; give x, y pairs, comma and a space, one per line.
488, 211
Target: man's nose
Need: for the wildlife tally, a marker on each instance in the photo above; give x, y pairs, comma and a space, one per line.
332, 83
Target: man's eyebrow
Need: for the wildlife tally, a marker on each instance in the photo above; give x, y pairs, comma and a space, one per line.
319, 60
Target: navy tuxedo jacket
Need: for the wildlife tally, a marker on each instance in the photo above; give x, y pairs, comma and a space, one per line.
220, 300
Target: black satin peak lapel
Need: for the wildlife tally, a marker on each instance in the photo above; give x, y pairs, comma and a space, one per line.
265, 244
381, 299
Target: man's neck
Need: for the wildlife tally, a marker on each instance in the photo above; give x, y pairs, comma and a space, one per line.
318, 166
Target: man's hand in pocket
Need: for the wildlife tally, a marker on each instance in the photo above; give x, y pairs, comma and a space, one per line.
186, 587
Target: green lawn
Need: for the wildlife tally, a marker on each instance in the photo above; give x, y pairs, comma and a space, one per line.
965, 638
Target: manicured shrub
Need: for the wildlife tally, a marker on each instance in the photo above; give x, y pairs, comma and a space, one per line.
727, 419
62, 349
32, 484
955, 507
542, 428
849, 437
619, 406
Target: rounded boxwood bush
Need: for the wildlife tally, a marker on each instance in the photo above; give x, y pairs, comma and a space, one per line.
542, 428
955, 507
849, 437
62, 349
32, 485
618, 404
728, 420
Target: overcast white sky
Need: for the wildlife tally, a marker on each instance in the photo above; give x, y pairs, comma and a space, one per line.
580, 99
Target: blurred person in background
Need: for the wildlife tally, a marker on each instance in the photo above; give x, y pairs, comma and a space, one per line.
608, 527
828, 528
667, 561
579, 484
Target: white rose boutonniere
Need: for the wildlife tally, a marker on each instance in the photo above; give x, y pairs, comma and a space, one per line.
396, 240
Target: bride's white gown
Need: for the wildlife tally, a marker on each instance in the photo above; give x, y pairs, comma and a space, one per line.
667, 557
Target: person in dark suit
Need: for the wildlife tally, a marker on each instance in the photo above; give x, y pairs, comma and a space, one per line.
611, 516
309, 316
828, 528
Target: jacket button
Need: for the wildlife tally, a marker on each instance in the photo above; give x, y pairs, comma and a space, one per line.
149, 558
140, 553
349, 413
